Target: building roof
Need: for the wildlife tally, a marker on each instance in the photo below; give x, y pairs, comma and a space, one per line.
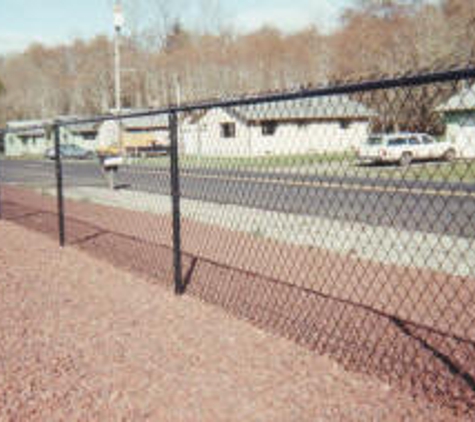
37, 124
80, 127
463, 101
28, 127
84, 127
317, 108
146, 122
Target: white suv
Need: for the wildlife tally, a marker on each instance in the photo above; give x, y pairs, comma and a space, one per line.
403, 148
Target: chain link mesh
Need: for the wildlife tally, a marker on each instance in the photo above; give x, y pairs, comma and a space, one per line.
344, 221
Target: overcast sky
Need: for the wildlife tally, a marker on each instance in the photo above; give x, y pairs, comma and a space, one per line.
60, 21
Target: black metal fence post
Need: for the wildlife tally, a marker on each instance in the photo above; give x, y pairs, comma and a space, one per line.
175, 190
1, 170
59, 182
3, 136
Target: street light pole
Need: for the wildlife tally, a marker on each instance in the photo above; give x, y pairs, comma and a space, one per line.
118, 24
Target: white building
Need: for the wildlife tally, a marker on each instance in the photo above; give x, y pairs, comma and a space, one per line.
147, 133
25, 141
136, 134
459, 116
316, 125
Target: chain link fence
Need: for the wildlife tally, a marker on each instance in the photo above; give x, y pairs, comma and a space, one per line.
342, 218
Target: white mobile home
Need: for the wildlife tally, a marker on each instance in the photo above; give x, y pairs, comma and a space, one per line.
26, 141
317, 125
23, 140
459, 116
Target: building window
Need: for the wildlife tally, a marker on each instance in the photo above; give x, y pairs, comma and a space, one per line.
269, 127
345, 124
228, 130
89, 136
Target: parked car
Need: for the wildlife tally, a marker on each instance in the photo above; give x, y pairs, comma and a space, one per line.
71, 151
403, 148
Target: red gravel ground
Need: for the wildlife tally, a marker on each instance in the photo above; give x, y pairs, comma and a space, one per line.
413, 328
81, 340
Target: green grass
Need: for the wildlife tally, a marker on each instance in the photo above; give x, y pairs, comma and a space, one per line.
328, 165
266, 162
459, 171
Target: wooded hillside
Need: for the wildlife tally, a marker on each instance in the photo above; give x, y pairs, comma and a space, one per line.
375, 38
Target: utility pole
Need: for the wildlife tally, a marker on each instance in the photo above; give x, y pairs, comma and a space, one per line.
118, 25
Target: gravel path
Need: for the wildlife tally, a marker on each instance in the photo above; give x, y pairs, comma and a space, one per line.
407, 326
451, 254
81, 340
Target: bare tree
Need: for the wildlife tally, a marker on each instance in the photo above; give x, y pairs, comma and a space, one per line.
375, 38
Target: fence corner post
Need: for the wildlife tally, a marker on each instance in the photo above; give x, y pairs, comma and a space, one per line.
175, 191
59, 182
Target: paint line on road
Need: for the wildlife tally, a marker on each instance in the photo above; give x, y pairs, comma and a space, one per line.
35, 165
321, 184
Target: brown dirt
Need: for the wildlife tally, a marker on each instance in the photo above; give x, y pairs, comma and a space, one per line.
411, 327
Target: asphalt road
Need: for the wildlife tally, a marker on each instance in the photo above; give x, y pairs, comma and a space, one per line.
446, 208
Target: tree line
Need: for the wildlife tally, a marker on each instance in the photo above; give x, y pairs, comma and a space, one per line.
165, 62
